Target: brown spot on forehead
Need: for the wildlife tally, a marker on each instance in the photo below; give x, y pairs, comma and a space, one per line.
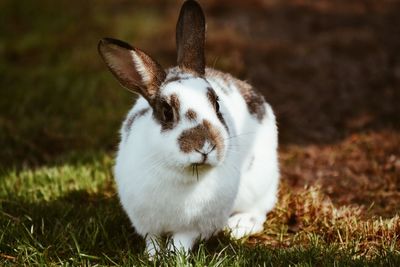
191, 115
194, 138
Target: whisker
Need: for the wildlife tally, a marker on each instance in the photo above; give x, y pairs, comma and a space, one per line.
234, 149
157, 163
233, 166
236, 152
239, 135
147, 157
230, 168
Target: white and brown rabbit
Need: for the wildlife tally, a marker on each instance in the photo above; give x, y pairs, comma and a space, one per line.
199, 147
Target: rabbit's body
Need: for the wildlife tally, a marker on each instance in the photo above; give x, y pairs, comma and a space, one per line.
254, 126
161, 198
199, 148
158, 194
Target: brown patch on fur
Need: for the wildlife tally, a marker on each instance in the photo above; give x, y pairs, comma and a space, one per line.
215, 136
223, 80
254, 100
159, 106
191, 115
226, 77
172, 79
174, 102
135, 116
194, 138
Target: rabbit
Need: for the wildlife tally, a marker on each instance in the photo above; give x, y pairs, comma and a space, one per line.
198, 150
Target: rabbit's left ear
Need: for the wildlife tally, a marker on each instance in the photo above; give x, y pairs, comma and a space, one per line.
190, 38
133, 68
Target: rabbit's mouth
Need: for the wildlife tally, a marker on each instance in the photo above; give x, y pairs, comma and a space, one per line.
197, 169
201, 165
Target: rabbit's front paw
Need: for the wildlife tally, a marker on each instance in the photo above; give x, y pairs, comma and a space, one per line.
244, 224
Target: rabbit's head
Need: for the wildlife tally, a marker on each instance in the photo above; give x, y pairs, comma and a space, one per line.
192, 128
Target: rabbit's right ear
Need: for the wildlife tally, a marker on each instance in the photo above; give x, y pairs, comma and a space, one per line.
134, 69
190, 38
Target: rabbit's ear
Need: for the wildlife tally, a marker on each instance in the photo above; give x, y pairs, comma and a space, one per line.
134, 69
190, 37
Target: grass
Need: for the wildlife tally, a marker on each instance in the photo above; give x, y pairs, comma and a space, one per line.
69, 214
60, 111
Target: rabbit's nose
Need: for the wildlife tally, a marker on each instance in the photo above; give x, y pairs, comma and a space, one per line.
204, 155
204, 152
206, 149
204, 137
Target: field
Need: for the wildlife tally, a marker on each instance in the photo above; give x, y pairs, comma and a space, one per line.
330, 69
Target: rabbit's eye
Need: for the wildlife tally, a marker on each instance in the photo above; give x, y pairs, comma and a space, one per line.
168, 113
216, 106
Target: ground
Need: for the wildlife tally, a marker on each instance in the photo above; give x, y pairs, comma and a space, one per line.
330, 69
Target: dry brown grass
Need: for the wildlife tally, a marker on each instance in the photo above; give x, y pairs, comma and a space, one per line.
362, 169
344, 194
309, 216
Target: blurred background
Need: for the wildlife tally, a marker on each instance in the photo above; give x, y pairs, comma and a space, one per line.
330, 69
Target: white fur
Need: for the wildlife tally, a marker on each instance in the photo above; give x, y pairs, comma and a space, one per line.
257, 145
158, 189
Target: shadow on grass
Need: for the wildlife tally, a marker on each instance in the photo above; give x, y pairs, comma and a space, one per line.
79, 225
83, 228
